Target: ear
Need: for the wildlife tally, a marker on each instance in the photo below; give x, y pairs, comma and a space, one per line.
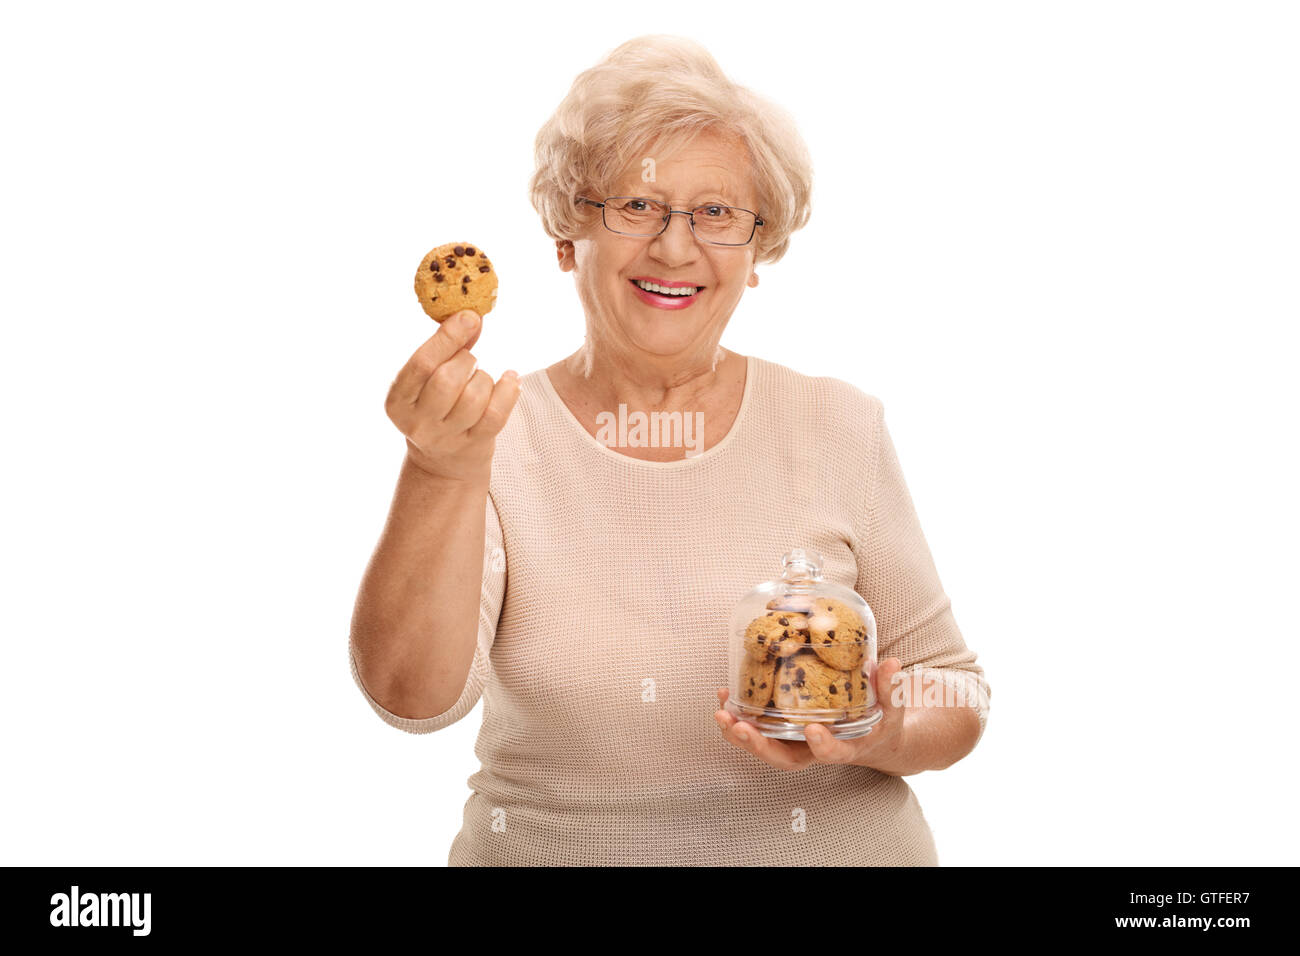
753, 280
564, 254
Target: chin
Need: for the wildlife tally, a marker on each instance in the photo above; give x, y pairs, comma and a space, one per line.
661, 341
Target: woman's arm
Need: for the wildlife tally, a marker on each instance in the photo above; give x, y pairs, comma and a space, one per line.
914, 619
415, 622
938, 715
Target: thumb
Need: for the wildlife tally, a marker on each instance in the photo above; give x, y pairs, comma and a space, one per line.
889, 691
458, 331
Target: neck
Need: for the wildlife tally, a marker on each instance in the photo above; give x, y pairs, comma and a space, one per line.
647, 381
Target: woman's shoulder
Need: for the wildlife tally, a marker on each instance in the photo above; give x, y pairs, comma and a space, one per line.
824, 399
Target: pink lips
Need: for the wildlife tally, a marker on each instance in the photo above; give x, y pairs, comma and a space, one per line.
666, 301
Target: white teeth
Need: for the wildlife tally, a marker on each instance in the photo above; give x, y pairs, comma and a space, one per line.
662, 290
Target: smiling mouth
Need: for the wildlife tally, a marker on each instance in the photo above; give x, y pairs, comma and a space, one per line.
681, 292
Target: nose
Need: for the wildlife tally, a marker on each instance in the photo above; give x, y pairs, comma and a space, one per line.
677, 242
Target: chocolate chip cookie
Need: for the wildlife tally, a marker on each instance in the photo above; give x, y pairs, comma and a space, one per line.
454, 277
801, 603
777, 633
838, 635
754, 689
805, 682
861, 695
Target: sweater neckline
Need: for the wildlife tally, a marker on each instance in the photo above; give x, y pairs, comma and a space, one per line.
751, 367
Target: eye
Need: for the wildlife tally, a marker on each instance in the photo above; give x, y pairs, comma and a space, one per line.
636, 205
713, 212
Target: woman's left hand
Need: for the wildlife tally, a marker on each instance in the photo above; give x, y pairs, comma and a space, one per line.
882, 746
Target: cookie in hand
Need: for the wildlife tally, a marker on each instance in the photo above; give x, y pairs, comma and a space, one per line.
454, 277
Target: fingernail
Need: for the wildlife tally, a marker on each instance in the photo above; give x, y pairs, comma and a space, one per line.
510, 375
468, 319
742, 736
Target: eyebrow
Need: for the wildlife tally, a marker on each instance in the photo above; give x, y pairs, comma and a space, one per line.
717, 191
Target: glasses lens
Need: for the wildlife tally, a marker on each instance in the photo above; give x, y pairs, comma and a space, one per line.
726, 225
635, 217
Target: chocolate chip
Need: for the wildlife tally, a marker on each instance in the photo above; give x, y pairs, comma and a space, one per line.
799, 677
785, 687
827, 641
484, 268
830, 633
438, 276
833, 690
433, 266
433, 298
807, 638
469, 250
762, 685
451, 262
783, 621
482, 255
464, 279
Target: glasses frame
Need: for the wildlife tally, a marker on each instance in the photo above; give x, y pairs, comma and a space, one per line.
688, 213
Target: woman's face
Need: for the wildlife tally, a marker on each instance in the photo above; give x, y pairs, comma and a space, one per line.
637, 323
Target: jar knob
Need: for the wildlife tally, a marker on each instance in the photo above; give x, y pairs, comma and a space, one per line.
801, 563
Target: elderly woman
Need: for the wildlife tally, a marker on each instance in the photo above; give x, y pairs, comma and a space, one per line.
583, 587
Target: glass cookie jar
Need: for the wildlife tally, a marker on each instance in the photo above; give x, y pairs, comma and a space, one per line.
803, 650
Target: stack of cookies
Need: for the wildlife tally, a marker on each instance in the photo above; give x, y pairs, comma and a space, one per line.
805, 654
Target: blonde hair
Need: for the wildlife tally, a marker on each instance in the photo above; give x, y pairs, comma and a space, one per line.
665, 91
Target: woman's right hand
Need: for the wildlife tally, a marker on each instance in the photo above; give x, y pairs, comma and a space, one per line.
450, 412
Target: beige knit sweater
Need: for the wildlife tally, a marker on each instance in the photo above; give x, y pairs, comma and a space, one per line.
608, 585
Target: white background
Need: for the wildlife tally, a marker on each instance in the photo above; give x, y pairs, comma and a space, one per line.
1058, 241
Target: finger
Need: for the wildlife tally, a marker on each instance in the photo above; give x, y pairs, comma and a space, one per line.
472, 402
443, 389
784, 756
722, 716
478, 330
502, 401
889, 690
456, 333
741, 733
459, 331
826, 747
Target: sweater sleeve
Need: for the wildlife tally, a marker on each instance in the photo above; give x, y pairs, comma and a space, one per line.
492, 593
898, 579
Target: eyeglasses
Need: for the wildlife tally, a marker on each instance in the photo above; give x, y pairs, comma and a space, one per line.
717, 225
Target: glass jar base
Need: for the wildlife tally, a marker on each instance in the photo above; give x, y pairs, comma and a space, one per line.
779, 727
